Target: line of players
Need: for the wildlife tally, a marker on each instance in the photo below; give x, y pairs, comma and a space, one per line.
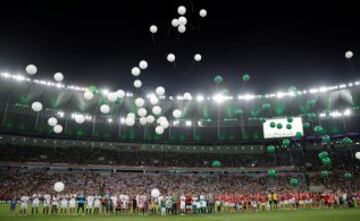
107, 204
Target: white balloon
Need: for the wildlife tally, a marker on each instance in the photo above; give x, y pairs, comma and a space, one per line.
142, 112
143, 64
177, 113
154, 100
159, 130
135, 71
143, 121
182, 20
161, 119
203, 13
137, 83
160, 90
155, 193
171, 57
112, 97
52, 121
58, 76
58, 128
349, 54
187, 96
153, 29
59, 187
164, 124
131, 115
36, 106
181, 28
139, 102
31, 69
357, 155
197, 57
181, 10
150, 119
175, 22
156, 110
104, 108
120, 93
79, 118
88, 95
130, 121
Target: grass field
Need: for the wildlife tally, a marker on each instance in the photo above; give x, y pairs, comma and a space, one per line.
298, 215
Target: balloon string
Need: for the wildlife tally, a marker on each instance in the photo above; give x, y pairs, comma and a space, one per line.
352, 67
177, 40
190, 68
168, 31
192, 26
192, 6
153, 39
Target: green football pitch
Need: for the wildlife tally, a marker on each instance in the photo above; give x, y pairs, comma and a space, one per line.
297, 215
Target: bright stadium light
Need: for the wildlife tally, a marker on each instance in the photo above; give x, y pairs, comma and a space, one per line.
218, 98
110, 120
347, 112
60, 114
105, 91
122, 120
176, 122
188, 123
200, 98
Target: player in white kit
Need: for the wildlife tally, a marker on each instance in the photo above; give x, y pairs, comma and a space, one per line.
72, 204
46, 203
89, 204
97, 204
35, 204
24, 205
182, 204
63, 205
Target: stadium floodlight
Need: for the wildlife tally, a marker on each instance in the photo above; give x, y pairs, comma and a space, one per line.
199, 98
322, 115
171, 98
357, 83
110, 120
129, 94
199, 123
188, 123
218, 98
122, 120
313, 91
175, 122
323, 89
60, 114
336, 114
179, 98
347, 112
105, 91
280, 94
350, 84
342, 86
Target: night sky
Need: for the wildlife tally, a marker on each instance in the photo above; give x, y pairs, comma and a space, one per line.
300, 43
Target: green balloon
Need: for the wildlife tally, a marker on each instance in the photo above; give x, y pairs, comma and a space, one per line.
306, 125
326, 161
348, 175
279, 126
298, 135
246, 77
318, 129
323, 155
103, 100
347, 140
216, 164
311, 116
272, 173
290, 119
326, 139
272, 124
311, 102
218, 79
324, 173
286, 142
294, 182
266, 106
270, 149
288, 126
